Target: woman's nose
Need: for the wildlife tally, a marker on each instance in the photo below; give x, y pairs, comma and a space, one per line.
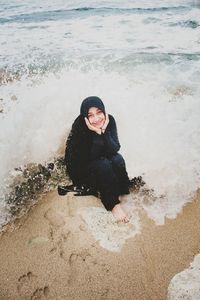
96, 118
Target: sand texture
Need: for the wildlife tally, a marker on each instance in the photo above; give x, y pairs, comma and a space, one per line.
71, 248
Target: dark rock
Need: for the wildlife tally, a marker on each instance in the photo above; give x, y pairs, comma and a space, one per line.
30, 181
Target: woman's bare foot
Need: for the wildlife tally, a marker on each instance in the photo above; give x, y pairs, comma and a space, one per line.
119, 214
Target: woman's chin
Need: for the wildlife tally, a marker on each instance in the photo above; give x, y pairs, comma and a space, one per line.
98, 126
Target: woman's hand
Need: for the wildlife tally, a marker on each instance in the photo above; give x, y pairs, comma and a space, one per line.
105, 124
97, 130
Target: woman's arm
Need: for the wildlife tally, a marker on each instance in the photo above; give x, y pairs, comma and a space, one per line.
110, 135
97, 148
107, 142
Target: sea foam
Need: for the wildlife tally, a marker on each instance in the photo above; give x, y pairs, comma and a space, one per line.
185, 285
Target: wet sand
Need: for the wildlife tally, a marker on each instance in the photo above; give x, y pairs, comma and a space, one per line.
52, 254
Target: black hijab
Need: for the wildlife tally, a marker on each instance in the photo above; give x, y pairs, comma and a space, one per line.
92, 101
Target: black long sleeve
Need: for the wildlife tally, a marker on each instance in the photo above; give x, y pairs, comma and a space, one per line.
111, 137
83, 146
107, 143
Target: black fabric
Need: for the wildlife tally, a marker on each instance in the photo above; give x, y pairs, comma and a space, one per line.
109, 177
119, 168
89, 102
93, 160
107, 143
77, 152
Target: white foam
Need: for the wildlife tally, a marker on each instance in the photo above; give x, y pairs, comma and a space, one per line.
103, 226
186, 284
158, 129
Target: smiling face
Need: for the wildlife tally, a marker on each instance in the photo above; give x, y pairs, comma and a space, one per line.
96, 117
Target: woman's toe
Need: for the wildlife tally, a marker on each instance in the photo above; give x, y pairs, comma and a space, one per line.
126, 219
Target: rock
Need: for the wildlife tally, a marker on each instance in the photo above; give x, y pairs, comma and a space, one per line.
29, 181
6, 76
26, 185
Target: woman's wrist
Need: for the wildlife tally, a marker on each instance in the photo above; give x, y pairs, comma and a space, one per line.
99, 131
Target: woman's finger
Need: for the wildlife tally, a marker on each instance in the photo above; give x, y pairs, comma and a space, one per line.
89, 125
87, 121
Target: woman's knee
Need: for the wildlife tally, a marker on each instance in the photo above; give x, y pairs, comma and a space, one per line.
118, 161
104, 167
101, 167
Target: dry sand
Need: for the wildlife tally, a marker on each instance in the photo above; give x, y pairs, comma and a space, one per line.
53, 252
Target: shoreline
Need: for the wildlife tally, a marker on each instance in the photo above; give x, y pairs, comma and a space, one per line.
51, 254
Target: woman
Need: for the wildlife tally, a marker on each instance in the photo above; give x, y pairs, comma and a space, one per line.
92, 157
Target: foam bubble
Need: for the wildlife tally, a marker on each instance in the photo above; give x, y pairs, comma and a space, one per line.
103, 226
186, 284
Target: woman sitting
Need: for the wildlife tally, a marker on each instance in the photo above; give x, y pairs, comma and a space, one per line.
92, 157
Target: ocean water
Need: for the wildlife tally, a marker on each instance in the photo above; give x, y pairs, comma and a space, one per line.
141, 57
185, 285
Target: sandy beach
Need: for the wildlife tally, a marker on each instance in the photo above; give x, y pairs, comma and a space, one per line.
142, 59
52, 254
